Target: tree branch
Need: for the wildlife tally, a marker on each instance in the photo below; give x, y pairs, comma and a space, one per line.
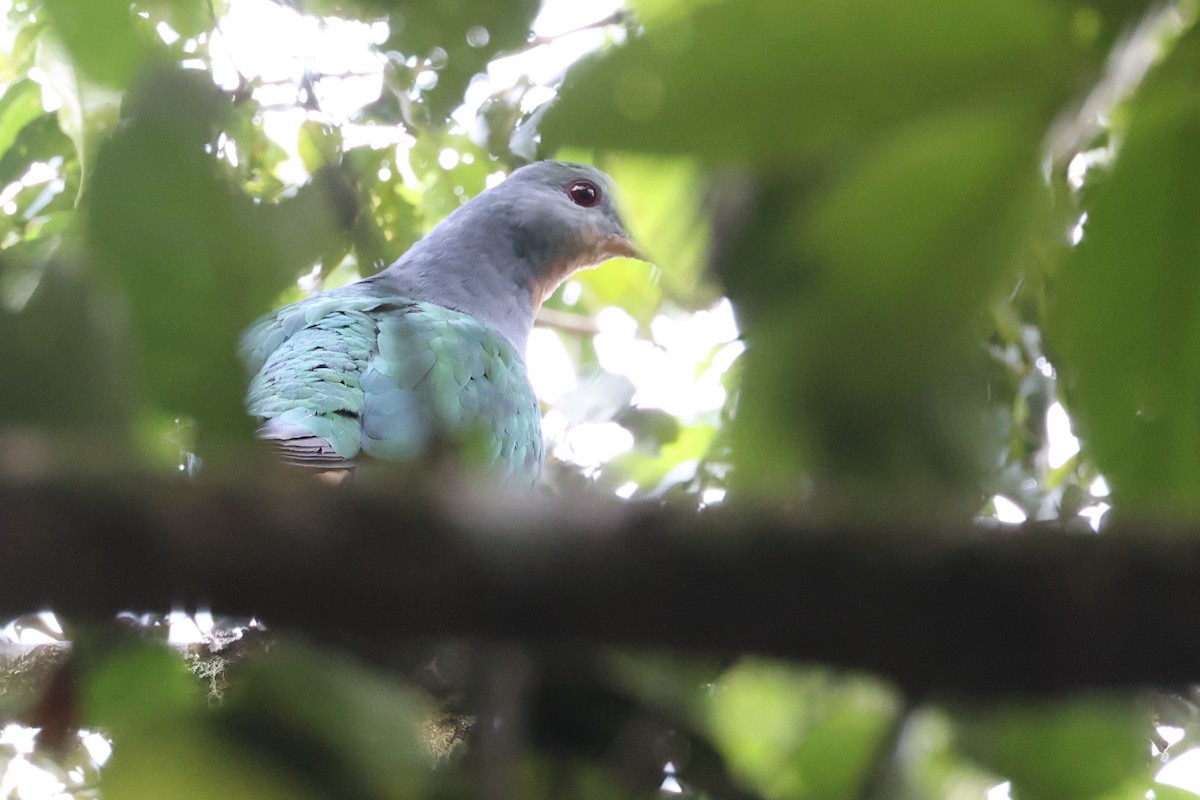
967, 610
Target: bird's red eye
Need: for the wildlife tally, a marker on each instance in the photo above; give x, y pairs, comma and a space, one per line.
584, 193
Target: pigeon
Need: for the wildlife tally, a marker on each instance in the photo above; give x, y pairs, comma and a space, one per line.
427, 357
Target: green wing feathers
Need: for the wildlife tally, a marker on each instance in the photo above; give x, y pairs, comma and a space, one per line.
341, 375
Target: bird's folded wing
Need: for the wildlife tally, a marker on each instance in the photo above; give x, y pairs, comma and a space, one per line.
307, 390
394, 379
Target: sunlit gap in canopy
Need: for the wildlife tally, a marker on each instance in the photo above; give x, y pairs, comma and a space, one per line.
1058, 453
1182, 770
283, 52
679, 369
27, 772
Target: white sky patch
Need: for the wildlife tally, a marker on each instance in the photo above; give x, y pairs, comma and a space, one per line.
559, 16
593, 443
284, 127
274, 48
22, 779
613, 321
558, 22
165, 32
1095, 514
1182, 771
43, 628
1061, 443
1001, 791
1007, 511
259, 39
550, 369
1075, 236
377, 136
1170, 734
20, 738
667, 372
99, 748
25, 781
183, 629
554, 427
1082, 162
448, 158
571, 292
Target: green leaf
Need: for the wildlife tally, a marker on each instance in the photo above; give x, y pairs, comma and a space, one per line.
782, 79
192, 257
188, 17
315, 223
138, 686
444, 190
21, 105
661, 204
146, 699
60, 348
623, 282
101, 36
888, 178
389, 221
869, 296
1068, 750
791, 732
652, 460
89, 109
1123, 324
318, 144
345, 728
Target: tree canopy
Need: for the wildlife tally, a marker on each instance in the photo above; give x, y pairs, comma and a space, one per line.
946, 231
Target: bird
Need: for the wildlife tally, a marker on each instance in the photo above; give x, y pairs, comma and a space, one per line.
428, 355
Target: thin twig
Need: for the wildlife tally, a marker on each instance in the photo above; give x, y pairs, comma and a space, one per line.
566, 321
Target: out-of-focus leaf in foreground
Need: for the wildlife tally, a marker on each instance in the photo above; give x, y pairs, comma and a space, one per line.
870, 362
348, 731
888, 158
103, 38
1124, 318
59, 350
195, 259
783, 79
791, 732
1069, 750
163, 745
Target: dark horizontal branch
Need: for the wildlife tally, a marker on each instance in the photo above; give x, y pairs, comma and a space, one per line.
956, 610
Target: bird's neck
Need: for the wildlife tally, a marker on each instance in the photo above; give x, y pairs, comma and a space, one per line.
485, 294
480, 261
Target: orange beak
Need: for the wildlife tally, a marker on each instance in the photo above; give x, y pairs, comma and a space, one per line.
622, 246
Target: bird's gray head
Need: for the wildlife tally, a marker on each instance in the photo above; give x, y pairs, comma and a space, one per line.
562, 217
502, 254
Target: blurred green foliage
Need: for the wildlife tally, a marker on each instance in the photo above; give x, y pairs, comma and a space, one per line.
1124, 312
888, 194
